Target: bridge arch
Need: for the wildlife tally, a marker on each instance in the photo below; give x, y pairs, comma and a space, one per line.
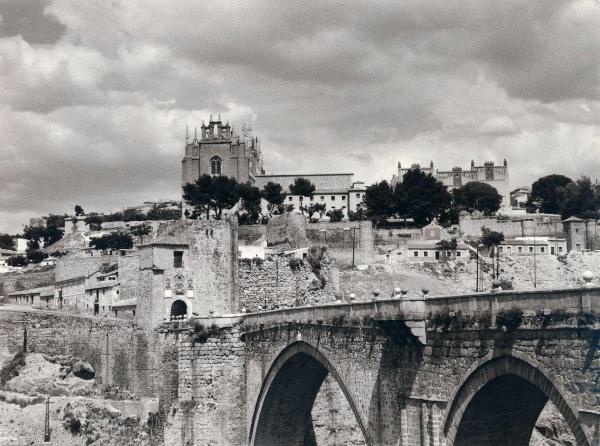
499, 402
282, 413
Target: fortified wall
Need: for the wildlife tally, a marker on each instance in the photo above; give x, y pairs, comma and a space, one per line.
540, 225
279, 282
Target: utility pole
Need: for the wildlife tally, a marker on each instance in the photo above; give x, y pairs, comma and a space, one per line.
477, 271
534, 258
47, 429
353, 244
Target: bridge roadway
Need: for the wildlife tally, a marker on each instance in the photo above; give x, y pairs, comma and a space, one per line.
470, 386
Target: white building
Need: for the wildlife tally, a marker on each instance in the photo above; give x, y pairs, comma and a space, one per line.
528, 246
335, 191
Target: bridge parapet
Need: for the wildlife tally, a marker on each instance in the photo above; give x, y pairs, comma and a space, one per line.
573, 300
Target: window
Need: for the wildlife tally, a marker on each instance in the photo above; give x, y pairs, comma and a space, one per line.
399, 253
500, 249
333, 198
178, 259
357, 195
312, 198
343, 207
322, 197
578, 246
416, 253
290, 198
215, 165
576, 230
457, 253
520, 249
300, 198
530, 248
425, 253
560, 249
343, 197
542, 249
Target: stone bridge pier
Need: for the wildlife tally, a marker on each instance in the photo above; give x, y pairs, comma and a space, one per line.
408, 381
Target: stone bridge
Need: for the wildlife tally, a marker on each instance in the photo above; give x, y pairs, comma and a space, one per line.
455, 370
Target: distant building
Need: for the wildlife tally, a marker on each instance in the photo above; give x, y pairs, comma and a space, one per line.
423, 251
334, 190
34, 297
520, 196
524, 246
489, 173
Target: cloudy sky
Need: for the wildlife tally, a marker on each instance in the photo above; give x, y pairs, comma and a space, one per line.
95, 95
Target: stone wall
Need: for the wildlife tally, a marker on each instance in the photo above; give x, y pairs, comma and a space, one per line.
274, 283
142, 362
540, 224
128, 276
345, 239
211, 393
80, 264
24, 280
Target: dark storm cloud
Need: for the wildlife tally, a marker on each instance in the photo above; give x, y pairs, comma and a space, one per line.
27, 18
95, 96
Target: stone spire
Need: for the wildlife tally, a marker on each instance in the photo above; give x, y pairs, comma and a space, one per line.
187, 135
195, 134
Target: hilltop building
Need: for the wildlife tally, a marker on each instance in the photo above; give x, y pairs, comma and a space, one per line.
334, 190
220, 151
489, 173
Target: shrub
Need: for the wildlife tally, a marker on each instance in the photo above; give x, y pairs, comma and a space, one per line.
587, 318
295, 264
485, 319
510, 319
12, 368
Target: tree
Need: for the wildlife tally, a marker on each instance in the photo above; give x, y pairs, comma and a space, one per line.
36, 256
133, 215
421, 197
302, 187
335, 215
140, 230
49, 234
272, 192
114, 240
94, 221
6, 242
447, 245
359, 215
477, 196
490, 238
379, 200
17, 261
546, 193
158, 213
578, 199
78, 210
212, 193
250, 196
316, 207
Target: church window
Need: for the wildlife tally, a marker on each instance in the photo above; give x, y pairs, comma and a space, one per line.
215, 165
178, 259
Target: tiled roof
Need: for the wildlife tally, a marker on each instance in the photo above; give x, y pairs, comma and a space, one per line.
132, 302
42, 291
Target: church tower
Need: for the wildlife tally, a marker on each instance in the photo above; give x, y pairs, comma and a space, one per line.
220, 151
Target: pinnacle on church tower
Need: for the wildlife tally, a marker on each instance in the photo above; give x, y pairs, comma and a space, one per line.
187, 135
195, 134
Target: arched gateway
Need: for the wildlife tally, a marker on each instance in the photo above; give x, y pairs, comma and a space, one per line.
282, 415
178, 308
499, 403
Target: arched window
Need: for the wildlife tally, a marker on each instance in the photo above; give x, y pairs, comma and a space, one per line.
215, 165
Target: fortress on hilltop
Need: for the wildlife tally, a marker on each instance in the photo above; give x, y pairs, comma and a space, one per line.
495, 176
